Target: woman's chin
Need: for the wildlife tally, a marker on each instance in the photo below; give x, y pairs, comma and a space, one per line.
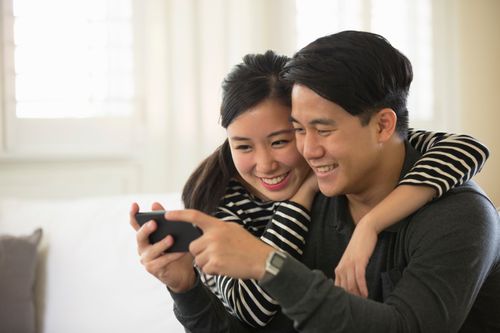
281, 195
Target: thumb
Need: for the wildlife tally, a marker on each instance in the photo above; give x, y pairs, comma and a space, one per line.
157, 206
201, 220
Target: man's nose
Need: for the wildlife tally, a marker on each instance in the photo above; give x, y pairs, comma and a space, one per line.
310, 147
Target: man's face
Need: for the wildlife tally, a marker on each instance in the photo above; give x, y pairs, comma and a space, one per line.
344, 154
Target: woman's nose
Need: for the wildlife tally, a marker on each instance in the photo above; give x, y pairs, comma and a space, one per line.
265, 162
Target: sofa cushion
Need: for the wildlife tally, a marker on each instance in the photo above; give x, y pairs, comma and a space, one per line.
18, 258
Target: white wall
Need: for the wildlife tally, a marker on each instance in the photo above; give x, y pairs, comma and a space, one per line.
176, 35
179, 99
478, 97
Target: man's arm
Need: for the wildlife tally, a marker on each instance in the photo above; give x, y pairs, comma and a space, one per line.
450, 247
199, 310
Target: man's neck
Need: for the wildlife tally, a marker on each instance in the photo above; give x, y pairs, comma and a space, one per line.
383, 181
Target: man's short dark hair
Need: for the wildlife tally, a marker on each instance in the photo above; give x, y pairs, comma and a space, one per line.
360, 71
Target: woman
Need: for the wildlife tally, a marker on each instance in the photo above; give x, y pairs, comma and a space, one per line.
258, 179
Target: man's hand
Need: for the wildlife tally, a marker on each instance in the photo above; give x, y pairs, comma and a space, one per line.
173, 269
225, 248
350, 272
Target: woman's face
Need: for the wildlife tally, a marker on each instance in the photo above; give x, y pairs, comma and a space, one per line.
263, 148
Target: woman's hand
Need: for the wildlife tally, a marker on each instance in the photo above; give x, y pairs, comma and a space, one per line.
401, 202
351, 270
173, 269
225, 248
306, 192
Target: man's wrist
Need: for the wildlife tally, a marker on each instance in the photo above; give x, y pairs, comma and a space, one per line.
185, 284
274, 263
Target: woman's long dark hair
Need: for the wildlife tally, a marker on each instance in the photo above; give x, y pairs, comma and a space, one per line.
251, 82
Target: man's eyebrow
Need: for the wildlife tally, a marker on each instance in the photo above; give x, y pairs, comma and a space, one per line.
322, 121
318, 121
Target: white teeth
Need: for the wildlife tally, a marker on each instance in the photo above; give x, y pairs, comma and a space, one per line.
275, 180
326, 168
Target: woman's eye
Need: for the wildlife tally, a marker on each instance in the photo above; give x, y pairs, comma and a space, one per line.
244, 148
280, 143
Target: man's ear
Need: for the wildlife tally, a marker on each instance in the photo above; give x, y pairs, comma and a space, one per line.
386, 124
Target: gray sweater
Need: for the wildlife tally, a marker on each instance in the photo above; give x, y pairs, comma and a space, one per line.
436, 271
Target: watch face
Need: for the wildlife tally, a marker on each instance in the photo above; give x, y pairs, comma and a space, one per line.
274, 263
277, 260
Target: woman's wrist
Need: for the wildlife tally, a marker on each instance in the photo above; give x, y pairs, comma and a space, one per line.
304, 197
370, 221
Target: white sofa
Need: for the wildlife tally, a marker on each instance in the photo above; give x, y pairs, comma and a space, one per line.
88, 277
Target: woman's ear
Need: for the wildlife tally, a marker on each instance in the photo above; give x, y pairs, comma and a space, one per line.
386, 124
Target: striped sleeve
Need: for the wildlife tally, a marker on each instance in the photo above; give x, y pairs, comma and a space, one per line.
245, 298
448, 160
286, 231
288, 228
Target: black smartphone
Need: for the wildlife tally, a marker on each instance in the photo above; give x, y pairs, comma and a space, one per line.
183, 233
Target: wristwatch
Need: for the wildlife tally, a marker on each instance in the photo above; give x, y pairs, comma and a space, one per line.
274, 262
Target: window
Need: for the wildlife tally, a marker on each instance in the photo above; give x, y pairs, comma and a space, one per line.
413, 37
69, 76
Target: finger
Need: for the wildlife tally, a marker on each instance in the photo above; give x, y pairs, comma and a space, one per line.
157, 249
198, 245
346, 280
166, 259
361, 280
338, 280
201, 220
157, 206
159, 264
195, 246
133, 210
351, 285
142, 235
201, 261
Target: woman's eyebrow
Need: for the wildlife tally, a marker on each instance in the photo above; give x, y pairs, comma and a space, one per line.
239, 138
283, 131
242, 138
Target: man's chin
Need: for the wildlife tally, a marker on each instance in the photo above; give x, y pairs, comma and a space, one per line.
328, 191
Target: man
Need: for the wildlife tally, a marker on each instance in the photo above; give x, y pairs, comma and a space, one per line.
436, 271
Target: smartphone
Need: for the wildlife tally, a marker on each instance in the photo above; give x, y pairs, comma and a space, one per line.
183, 233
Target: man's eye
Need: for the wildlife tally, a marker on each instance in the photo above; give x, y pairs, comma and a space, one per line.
324, 132
299, 130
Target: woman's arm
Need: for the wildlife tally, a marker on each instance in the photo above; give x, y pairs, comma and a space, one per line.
448, 160
289, 224
245, 298
286, 232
